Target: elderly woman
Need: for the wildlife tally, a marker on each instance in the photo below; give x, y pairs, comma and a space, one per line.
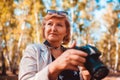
50, 60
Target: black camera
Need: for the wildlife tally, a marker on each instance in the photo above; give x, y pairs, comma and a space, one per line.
93, 64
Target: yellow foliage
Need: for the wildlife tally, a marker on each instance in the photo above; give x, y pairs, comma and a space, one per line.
36, 7
81, 5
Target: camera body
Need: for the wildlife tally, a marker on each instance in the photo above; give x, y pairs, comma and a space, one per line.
93, 64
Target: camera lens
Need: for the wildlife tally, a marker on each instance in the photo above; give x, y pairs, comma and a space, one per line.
93, 64
101, 72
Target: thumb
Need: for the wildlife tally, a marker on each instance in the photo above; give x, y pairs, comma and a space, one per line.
85, 73
73, 44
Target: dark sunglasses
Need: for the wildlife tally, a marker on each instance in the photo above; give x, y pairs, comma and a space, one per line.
63, 13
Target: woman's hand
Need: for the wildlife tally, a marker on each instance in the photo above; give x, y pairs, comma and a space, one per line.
70, 59
85, 73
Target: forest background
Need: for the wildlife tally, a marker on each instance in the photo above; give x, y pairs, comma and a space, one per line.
95, 22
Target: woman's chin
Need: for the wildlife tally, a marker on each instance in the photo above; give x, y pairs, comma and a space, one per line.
53, 40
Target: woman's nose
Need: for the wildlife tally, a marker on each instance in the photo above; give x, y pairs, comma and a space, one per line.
54, 28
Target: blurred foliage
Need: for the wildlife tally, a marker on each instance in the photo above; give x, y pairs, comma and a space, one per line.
20, 25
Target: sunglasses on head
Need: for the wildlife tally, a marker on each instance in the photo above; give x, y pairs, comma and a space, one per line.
63, 13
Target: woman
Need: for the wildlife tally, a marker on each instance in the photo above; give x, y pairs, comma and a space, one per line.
50, 60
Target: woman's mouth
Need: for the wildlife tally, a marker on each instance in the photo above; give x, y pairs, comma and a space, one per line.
53, 34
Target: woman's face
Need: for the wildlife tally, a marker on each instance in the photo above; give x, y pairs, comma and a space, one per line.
55, 30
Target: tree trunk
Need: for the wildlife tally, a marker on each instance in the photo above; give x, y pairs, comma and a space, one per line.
116, 56
3, 64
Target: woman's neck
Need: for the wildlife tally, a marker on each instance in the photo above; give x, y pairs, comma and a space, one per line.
56, 49
54, 44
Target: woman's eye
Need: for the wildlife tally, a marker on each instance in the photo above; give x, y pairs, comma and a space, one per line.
60, 25
50, 24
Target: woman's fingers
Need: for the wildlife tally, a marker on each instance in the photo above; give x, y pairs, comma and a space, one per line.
77, 60
70, 59
76, 63
73, 44
74, 57
77, 52
85, 73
